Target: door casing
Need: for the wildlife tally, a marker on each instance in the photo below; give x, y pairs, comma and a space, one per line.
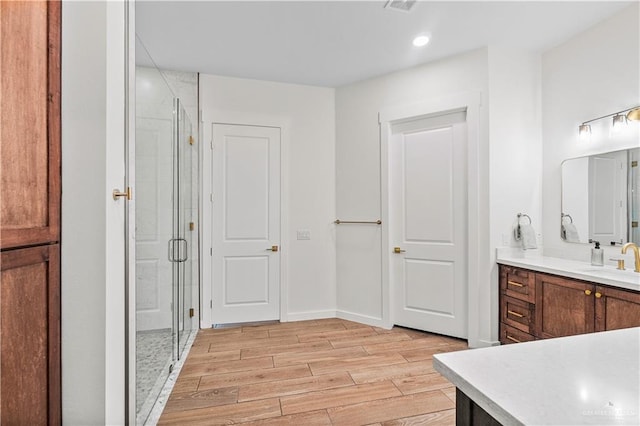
207, 118
471, 103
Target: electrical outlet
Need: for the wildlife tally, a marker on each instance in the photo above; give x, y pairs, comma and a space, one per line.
304, 234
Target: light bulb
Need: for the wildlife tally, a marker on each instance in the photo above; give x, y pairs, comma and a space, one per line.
618, 122
584, 131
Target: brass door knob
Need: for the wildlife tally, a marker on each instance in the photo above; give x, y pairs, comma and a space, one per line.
587, 292
398, 250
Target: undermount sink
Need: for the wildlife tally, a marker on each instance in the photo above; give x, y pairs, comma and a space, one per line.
611, 271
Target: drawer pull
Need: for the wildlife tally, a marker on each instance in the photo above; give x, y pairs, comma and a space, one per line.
598, 295
513, 339
587, 292
515, 314
515, 284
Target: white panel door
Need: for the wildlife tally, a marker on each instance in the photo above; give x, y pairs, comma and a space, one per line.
608, 197
246, 223
428, 193
154, 215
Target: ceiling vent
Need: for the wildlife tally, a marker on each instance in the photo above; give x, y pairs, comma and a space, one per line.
403, 5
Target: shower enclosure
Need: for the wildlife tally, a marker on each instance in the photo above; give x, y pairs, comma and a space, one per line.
166, 239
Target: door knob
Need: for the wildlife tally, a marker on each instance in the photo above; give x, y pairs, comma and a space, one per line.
117, 194
398, 250
273, 248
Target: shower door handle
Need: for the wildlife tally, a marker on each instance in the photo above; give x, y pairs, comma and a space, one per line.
178, 246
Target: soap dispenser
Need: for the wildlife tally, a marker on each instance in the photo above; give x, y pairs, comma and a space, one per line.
597, 255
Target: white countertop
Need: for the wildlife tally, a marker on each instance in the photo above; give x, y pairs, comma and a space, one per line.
587, 379
607, 274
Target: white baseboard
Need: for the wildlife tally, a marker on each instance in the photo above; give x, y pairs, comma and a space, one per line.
309, 315
363, 319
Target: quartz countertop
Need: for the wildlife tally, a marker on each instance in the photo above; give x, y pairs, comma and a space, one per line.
607, 274
586, 379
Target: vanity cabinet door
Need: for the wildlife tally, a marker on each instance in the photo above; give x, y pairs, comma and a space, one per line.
616, 308
564, 307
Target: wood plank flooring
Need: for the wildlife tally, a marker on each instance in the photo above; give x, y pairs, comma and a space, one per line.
320, 372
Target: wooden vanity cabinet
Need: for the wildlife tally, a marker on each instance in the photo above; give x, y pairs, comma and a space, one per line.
616, 308
564, 307
536, 305
517, 305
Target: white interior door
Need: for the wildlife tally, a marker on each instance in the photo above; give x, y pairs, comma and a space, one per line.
608, 197
246, 223
428, 224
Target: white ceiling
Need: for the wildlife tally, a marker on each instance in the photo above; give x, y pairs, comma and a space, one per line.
333, 43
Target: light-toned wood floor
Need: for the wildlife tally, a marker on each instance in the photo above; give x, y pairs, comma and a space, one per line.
321, 372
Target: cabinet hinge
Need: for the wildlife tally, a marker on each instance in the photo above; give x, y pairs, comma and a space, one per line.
634, 163
211, 304
211, 251
191, 312
192, 226
191, 140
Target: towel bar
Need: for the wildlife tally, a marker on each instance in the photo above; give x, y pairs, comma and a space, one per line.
338, 221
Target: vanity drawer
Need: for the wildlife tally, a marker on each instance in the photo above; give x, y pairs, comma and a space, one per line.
518, 283
517, 313
510, 335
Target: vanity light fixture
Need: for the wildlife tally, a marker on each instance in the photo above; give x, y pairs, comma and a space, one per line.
634, 114
584, 130
618, 122
620, 118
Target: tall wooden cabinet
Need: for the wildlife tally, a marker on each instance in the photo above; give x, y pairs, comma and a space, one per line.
30, 213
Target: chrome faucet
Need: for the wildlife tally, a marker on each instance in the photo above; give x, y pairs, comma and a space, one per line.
635, 252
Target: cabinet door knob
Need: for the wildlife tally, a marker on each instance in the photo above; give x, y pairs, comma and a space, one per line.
598, 295
587, 292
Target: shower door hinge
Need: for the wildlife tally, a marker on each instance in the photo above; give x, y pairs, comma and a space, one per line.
191, 312
191, 140
192, 226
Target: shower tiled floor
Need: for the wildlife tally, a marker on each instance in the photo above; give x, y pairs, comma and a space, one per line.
153, 357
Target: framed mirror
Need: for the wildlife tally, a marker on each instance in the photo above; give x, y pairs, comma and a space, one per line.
600, 199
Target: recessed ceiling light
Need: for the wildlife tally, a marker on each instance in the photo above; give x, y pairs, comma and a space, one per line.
420, 41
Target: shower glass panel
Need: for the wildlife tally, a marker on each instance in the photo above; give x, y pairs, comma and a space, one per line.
154, 156
166, 235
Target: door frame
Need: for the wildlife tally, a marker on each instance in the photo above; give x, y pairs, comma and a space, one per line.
387, 117
207, 118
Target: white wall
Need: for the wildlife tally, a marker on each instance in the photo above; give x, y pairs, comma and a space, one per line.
93, 63
359, 281
593, 74
515, 157
309, 168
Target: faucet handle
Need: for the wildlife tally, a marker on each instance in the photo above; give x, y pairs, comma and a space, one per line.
620, 261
